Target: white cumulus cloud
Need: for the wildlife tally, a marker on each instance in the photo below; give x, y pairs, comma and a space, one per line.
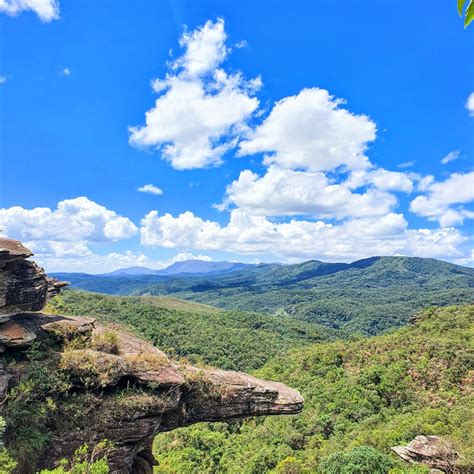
444, 200
312, 131
202, 110
286, 192
47, 10
74, 220
382, 179
351, 240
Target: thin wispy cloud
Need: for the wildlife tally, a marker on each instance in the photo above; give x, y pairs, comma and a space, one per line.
451, 156
406, 164
241, 44
150, 189
65, 72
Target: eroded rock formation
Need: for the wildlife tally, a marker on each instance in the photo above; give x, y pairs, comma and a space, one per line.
24, 285
432, 451
115, 385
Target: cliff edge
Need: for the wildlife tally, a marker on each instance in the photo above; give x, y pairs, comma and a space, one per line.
84, 382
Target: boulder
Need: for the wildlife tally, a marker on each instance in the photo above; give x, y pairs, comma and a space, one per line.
13, 334
432, 451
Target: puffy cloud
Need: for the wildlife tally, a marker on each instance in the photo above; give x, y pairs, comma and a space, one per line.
437, 204
205, 49
354, 239
78, 219
312, 131
47, 10
286, 192
201, 111
382, 179
470, 104
451, 156
425, 182
65, 72
150, 189
3, 79
390, 180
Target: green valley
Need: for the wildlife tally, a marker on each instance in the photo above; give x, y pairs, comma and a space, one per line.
362, 397
203, 334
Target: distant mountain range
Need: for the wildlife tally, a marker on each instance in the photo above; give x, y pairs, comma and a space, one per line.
202, 267
186, 267
367, 296
130, 271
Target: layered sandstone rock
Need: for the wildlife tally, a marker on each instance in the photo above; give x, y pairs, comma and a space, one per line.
24, 285
129, 397
126, 392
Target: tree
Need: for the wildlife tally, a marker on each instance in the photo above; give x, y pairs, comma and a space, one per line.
361, 460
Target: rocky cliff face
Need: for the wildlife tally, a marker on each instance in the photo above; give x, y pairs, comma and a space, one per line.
105, 384
23, 285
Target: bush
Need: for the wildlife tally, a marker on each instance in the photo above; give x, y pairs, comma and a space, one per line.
360, 460
7, 464
107, 341
85, 461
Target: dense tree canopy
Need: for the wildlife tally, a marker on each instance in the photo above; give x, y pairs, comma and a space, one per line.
203, 334
361, 397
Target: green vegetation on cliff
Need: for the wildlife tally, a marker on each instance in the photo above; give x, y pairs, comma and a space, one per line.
362, 396
226, 339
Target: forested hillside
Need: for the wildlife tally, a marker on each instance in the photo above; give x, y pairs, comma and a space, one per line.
203, 334
367, 296
361, 397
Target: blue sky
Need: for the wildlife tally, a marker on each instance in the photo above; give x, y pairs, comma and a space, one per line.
275, 131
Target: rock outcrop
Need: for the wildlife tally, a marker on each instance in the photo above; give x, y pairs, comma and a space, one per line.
24, 285
117, 386
432, 451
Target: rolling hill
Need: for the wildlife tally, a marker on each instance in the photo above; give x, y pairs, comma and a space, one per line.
201, 333
368, 296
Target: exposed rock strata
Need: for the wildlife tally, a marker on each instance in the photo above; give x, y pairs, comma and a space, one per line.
24, 285
162, 395
127, 396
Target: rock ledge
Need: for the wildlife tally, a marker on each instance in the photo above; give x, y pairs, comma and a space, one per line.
127, 395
